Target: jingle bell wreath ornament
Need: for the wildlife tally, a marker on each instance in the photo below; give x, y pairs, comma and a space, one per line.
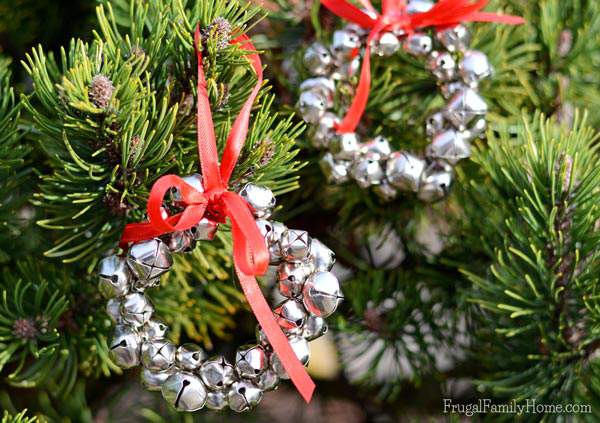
457, 68
187, 378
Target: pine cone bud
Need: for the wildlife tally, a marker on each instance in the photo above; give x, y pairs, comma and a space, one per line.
220, 30
25, 328
100, 91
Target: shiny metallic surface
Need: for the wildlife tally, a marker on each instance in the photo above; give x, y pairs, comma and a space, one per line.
291, 277
189, 356
260, 199
449, 146
295, 244
243, 396
290, 315
217, 373
251, 361
321, 294
158, 354
125, 346
149, 259
404, 171
184, 391
318, 59
115, 277
322, 258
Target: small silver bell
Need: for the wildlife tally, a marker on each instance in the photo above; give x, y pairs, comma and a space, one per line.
153, 381
194, 180
125, 347
154, 329
455, 39
450, 88
149, 259
443, 66
260, 199
449, 146
386, 45
204, 230
216, 373
367, 172
291, 277
418, 44
267, 381
115, 277
312, 106
189, 356
300, 347
216, 400
324, 131
321, 294
336, 171
435, 124
404, 171
113, 309
344, 44
251, 361
345, 146
474, 67
385, 191
136, 309
322, 86
321, 257
272, 231
317, 59
464, 107
243, 396
314, 328
290, 315
435, 185
346, 69
295, 245
179, 242
158, 355
419, 6
184, 391
377, 148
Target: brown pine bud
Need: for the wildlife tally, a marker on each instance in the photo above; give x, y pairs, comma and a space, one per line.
101, 91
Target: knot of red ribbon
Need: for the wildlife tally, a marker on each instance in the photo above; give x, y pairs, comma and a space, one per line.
395, 17
250, 253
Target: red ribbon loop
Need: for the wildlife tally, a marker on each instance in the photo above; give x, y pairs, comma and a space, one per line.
394, 16
250, 253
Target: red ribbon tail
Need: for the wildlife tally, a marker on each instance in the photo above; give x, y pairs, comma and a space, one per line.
349, 12
281, 346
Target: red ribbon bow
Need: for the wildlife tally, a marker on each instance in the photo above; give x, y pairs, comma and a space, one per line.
250, 253
394, 16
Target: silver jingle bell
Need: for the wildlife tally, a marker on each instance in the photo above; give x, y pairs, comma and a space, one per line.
267, 381
455, 39
321, 257
290, 315
216, 373
115, 277
189, 356
194, 180
336, 171
464, 107
418, 44
344, 44
179, 242
385, 191
386, 45
295, 245
272, 231
149, 259
404, 171
435, 185
260, 199
435, 124
322, 86
449, 146
450, 88
321, 294
419, 6
312, 106
474, 67
367, 172
442, 65
251, 361
346, 69
317, 59
158, 355
377, 148
153, 381
314, 328
154, 329
136, 309
184, 391
476, 130
125, 346
204, 230
216, 400
243, 396
300, 347
113, 309
324, 131
291, 277
345, 146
